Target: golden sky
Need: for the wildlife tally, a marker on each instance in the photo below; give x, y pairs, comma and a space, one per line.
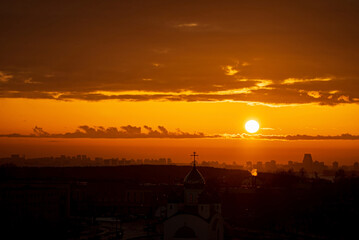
191, 72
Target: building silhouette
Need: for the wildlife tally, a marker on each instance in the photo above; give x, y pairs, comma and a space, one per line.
197, 215
308, 161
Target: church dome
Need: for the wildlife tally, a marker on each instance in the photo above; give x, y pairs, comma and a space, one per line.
194, 177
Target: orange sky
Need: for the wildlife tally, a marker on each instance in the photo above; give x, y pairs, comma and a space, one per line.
208, 117
22, 115
99, 77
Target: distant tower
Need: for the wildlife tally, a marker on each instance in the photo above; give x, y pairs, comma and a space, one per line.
308, 161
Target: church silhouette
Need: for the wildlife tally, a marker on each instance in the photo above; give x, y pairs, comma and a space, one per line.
197, 215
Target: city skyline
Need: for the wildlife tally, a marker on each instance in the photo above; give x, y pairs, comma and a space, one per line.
308, 164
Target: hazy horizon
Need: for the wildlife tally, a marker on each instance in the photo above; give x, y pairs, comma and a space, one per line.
179, 150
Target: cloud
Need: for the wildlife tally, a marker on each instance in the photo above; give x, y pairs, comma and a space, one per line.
40, 132
187, 44
314, 94
289, 81
130, 131
195, 27
229, 70
157, 65
344, 98
187, 25
113, 132
5, 77
261, 91
30, 81
345, 136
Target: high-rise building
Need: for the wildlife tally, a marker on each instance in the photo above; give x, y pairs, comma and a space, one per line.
308, 161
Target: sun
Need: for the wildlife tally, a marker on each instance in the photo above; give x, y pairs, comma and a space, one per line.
252, 126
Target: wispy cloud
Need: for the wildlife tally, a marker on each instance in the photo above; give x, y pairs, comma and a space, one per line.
154, 84
345, 136
187, 25
344, 98
289, 81
229, 70
157, 65
261, 92
31, 81
5, 77
314, 94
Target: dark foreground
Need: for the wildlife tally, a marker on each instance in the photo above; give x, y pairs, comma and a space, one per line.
128, 202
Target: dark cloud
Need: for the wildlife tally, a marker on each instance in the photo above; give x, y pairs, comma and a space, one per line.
73, 50
113, 132
161, 132
345, 136
40, 132
331, 93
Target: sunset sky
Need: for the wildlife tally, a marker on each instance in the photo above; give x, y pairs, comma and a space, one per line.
166, 78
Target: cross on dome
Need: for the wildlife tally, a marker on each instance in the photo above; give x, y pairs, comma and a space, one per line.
194, 155
194, 178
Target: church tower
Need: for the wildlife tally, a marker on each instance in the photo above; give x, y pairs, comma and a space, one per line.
198, 215
193, 184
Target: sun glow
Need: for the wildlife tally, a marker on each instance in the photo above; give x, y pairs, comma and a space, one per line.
252, 126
